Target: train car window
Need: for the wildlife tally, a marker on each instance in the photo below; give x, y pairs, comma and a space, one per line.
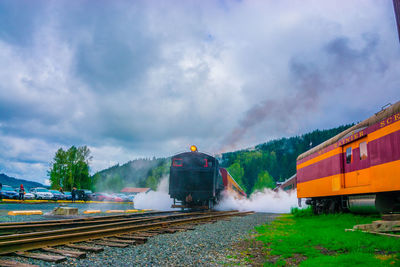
348, 155
287, 188
363, 151
177, 162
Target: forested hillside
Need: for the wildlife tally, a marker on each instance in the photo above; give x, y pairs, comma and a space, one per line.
14, 182
273, 161
254, 169
135, 173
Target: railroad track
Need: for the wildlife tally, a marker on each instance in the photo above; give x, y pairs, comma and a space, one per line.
18, 239
22, 227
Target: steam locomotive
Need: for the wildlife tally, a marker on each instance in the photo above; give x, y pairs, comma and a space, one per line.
197, 181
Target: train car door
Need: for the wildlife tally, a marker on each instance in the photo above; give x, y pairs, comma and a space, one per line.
356, 164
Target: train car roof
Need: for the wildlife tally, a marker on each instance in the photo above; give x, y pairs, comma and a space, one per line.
393, 109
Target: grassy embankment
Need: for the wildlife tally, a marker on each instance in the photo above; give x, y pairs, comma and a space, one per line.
308, 240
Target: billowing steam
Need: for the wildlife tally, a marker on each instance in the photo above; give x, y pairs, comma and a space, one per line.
155, 200
265, 201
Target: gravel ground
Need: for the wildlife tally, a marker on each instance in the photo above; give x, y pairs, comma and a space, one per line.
207, 245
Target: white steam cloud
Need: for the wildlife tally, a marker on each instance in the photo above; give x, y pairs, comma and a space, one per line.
155, 200
265, 201
261, 201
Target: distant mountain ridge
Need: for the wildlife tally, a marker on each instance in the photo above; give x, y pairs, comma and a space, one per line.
14, 182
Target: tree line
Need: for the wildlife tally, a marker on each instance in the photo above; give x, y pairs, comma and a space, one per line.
273, 161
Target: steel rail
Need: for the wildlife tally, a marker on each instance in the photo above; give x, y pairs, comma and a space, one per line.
98, 226
9, 230
23, 244
61, 224
142, 214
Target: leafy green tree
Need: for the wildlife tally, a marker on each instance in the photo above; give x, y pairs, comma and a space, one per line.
264, 181
71, 169
58, 172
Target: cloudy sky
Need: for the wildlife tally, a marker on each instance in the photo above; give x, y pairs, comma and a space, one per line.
147, 78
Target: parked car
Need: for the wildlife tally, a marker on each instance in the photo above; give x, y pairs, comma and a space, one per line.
57, 195
8, 192
131, 197
41, 193
102, 197
68, 195
116, 198
29, 196
125, 198
84, 194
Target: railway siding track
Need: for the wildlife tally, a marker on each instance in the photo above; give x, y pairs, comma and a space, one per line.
124, 232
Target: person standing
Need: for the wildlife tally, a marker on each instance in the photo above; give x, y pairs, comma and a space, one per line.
73, 194
21, 192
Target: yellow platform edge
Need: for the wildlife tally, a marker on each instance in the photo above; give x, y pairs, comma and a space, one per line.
25, 212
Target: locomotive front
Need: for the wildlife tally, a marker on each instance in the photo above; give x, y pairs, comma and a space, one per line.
194, 181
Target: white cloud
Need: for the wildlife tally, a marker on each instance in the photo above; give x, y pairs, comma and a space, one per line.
133, 79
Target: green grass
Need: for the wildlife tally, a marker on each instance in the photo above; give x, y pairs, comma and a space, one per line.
322, 241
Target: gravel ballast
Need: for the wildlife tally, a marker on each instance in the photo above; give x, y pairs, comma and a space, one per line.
207, 245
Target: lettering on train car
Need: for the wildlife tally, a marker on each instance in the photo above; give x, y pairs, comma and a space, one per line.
349, 139
390, 120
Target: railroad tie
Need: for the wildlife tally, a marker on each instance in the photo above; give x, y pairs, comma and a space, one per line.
68, 253
85, 248
170, 230
108, 244
145, 234
7, 263
157, 231
138, 239
123, 241
40, 256
183, 228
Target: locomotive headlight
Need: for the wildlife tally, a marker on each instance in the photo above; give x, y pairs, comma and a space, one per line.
193, 148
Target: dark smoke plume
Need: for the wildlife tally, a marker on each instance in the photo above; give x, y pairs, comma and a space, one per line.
309, 82
304, 99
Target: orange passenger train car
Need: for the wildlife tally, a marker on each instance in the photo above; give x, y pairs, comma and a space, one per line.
231, 186
357, 170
